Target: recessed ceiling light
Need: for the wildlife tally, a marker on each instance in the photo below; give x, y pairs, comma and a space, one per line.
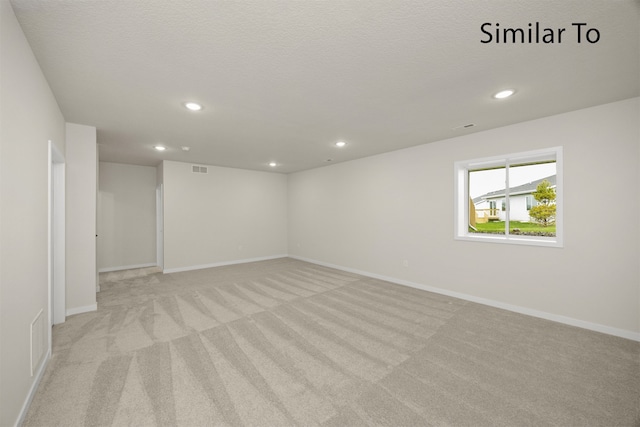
193, 106
504, 94
160, 148
185, 148
273, 164
340, 144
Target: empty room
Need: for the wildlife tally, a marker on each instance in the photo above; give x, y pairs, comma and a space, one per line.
319, 213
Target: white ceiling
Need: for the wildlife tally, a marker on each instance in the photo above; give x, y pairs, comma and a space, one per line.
284, 80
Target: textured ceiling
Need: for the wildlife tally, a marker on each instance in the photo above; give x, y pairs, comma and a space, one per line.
284, 80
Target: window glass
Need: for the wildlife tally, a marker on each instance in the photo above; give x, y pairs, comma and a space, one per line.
483, 184
528, 180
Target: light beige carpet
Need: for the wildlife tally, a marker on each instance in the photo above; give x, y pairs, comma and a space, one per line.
285, 342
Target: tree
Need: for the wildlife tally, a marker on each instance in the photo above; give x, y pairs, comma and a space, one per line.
544, 213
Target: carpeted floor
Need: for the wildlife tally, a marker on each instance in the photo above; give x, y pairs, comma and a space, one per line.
285, 342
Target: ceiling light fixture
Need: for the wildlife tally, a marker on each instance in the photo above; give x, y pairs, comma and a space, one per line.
193, 106
504, 94
160, 148
273, 164
185, 148
340, 144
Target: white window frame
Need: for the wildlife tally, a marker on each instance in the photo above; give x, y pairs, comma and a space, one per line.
461, 198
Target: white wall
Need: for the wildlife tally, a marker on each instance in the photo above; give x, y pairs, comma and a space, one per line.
371, 214
81, 198
126, 216
29, 117
225, 216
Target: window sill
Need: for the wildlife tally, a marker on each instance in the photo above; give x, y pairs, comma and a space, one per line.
512, 240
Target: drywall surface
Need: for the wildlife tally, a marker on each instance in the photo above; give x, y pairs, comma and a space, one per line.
373, 214
30, 118
81, 193
126, 216
222, 216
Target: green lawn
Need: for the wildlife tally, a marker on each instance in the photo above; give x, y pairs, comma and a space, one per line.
524, 227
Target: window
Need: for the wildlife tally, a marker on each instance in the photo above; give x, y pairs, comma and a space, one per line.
530, 202
527, 187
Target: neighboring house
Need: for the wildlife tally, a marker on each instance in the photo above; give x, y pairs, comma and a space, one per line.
492, 206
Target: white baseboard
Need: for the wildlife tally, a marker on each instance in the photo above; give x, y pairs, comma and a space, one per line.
85, 309
221, 264
126, 267
33, 389
623, 333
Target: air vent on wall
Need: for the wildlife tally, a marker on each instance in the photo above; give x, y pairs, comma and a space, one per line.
467, 126
199, 169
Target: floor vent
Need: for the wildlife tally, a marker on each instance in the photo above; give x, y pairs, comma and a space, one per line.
199, 169
38, 337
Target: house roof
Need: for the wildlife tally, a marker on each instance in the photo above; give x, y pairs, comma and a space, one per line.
527, 188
